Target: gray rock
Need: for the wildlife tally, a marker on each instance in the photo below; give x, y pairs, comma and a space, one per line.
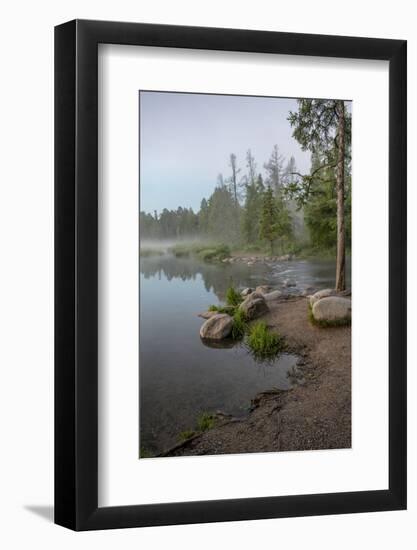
219, 326
263, 289
207, 314
246, 291
289, 282
308, 291
254, 306
274, 295
325, 293
332, 308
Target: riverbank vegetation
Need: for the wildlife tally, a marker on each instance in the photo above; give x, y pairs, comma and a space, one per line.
262, 342
275, 209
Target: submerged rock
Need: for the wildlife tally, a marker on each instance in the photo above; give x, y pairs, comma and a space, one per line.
326, 292
332, 308
219, 326
254, 306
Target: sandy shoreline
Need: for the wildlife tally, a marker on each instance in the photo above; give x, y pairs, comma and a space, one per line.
314, 415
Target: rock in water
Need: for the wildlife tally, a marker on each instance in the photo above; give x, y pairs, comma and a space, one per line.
254, 306
207, 314
219, 326
332, 308
322, 294
274, 295
246, 291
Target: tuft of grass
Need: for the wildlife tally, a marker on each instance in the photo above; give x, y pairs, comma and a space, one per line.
205, 422
240, 324
327, 324
206, 252
230, 310
233, 297
186, 434
214, 253
262, 342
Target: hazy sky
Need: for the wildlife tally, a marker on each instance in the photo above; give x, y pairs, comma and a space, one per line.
186, 141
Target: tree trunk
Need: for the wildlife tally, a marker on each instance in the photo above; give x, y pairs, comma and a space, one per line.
340, 190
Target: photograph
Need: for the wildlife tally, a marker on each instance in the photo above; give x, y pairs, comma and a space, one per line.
245, 274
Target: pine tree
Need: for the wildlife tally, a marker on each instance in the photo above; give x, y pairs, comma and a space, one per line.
268, 228
324, 126
274, 169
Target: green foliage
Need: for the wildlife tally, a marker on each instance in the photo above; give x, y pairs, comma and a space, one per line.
205, 421
262, 342
291, 212
206, 252
233, 297
240, 324
252, 211
276, 220
230, 310
214, 254
186, 434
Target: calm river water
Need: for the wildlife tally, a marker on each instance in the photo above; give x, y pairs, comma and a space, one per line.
180, 377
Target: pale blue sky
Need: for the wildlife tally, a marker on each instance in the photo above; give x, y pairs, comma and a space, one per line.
186, 141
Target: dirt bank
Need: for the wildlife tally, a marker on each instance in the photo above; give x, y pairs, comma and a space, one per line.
314, 415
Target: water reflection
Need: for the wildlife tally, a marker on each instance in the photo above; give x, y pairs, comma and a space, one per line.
181, 376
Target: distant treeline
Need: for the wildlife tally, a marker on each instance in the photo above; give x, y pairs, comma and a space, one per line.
280, 209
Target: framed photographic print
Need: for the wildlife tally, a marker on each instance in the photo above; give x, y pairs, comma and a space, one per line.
230, 244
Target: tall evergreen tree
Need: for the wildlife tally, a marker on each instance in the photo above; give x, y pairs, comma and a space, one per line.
268, 227
324, 126
274, 170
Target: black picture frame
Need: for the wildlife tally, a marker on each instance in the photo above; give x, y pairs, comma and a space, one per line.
76, 272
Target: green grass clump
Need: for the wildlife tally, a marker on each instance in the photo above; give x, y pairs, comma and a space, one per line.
233, 298
322, 323
262, 342
240, 325
186, 434
205, 422
230, 310
206, 252
214, 253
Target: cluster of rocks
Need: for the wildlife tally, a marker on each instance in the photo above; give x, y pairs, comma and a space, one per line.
255, 304
251, 260
330, 306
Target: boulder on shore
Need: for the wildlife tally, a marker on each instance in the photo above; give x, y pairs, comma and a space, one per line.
325, 293
207, 314
254, 306
332, 309
246, 291
271, 296
263, 289
219, 326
